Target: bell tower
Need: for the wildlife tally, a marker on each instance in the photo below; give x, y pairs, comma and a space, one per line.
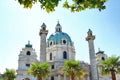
43, 34
100, 56
26, 57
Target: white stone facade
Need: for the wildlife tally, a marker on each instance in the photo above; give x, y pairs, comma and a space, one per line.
100, 55
58, 48
26, 57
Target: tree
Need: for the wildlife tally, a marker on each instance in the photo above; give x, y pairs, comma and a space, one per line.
73, 5
9, 74
110, 66
73, 69
39, 70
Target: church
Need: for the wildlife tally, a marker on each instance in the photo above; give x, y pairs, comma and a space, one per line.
54, 50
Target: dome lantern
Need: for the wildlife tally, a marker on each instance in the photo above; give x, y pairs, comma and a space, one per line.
58, 27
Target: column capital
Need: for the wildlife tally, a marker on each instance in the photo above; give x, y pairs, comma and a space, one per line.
43, 32
92, 37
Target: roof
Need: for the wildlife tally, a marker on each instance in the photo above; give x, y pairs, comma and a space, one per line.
28, 45
58, 36
100, 52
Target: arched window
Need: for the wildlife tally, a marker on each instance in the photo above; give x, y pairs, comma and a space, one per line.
64, 55
28, 53
103, 58
59, 29
52, 77
52, 66
50, 56
50, 43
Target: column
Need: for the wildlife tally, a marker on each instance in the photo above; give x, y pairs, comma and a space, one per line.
64, 77
93, 68
59, 77
43, 34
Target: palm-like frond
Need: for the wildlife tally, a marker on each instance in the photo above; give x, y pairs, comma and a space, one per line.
39, 70
81, 72
72, 68
9, 74
111, 64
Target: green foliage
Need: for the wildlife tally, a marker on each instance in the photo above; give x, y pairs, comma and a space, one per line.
73, 69
111, 65
9, 74
76, 6
39, 70
79, 5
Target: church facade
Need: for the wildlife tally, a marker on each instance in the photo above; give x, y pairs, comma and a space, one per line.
59, 47
26, 57
55, 50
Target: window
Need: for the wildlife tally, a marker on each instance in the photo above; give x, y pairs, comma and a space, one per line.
64, 55
52, 77
50, 43
28, 53
50, 56
59, 29
64, 41
52, 66
103, 58
44, 28
27, 65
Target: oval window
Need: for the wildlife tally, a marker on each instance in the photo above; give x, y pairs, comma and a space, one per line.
64, 41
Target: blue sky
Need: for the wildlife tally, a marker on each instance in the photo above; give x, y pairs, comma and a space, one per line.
18, 25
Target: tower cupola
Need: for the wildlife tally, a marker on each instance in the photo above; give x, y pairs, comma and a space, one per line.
28, 45
58, 27
90, 36
99, 51
43, 26
89, 32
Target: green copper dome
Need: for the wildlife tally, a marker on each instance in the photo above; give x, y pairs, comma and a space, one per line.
59, 37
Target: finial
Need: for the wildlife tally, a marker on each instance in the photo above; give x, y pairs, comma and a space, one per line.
90, 31
28, 41
58, 24
58, 27
43, 26
98, 49
58, 21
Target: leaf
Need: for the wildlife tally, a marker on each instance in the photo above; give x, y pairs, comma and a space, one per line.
50, 5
